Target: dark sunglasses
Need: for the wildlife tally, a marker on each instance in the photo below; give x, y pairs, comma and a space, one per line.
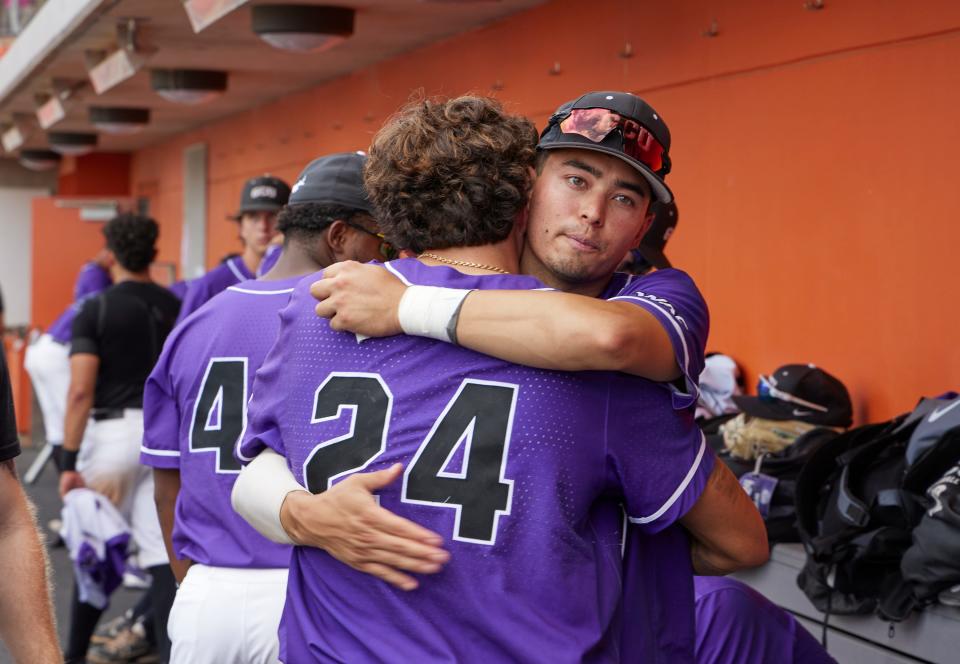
387, 250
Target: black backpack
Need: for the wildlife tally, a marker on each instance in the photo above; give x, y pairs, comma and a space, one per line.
932, 563
855, 520
858, 502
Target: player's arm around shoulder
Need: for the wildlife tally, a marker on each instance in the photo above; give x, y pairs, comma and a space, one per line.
346, 520
545, 329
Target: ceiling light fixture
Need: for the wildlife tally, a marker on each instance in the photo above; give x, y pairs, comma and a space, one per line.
204, 13
17, 131
107, 71
12, 138
39, 160
50, 112
188, 86
302, 28
119, 120
52, 106
70, 143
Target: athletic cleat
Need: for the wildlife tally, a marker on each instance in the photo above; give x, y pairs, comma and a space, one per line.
129, 645
109, 630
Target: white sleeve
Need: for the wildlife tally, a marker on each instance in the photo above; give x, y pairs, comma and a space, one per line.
259, 492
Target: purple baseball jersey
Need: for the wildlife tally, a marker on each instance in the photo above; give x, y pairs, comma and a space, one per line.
737, 624
194, 411
673, 297
658, 610
91, 280
269, 259
522, 471
229, 273
178, 288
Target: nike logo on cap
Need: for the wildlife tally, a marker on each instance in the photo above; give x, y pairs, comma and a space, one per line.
940, 412
801, 413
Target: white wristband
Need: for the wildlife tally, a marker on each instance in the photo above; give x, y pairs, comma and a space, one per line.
259, 492
427, 311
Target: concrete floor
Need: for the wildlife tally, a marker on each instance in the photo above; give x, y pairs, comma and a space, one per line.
45, 496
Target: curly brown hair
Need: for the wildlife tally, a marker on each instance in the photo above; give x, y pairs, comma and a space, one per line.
133, 240
451, 173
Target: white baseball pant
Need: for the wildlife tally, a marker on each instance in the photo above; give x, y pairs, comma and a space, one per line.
225, 615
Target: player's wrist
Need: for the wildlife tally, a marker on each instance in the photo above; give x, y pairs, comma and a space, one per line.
68, 461
291, 514
260, 491
431, 311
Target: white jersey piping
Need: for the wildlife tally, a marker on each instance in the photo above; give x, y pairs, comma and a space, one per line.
680, 489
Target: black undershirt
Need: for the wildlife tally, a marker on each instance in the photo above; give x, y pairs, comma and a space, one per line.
125, 326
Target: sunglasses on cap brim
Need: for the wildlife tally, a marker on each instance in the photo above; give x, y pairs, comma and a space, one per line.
766, 391
603, 126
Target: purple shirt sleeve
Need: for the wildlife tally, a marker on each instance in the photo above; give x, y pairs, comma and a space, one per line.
91, 280
179, 288
663, 475
161, 416
673, 297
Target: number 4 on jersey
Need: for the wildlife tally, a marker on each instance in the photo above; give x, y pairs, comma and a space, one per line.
220, 411
476, 426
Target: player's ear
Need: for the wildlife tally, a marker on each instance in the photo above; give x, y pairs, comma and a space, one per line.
337, 236
644, 227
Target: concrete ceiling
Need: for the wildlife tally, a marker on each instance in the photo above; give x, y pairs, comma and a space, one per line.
258, 73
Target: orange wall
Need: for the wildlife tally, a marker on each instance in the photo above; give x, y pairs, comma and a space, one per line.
61, 245
61, 241
809, 147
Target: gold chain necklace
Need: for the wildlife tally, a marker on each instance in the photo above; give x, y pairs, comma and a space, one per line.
450, 261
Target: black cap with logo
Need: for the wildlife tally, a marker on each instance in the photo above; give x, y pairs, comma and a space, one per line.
336, 179
265, 193
800, 392
619, 124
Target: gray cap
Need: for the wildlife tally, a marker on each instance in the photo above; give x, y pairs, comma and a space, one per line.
336, 179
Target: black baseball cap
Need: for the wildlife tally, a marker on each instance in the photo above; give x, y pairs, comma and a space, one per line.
619, 124
335, 179
665, 218
800, 392
263, 193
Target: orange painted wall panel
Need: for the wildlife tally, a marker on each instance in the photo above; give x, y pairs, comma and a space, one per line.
812, 153
62, 243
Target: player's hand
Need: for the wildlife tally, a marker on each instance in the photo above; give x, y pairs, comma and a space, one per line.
359, 298
347, 522
70, 480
